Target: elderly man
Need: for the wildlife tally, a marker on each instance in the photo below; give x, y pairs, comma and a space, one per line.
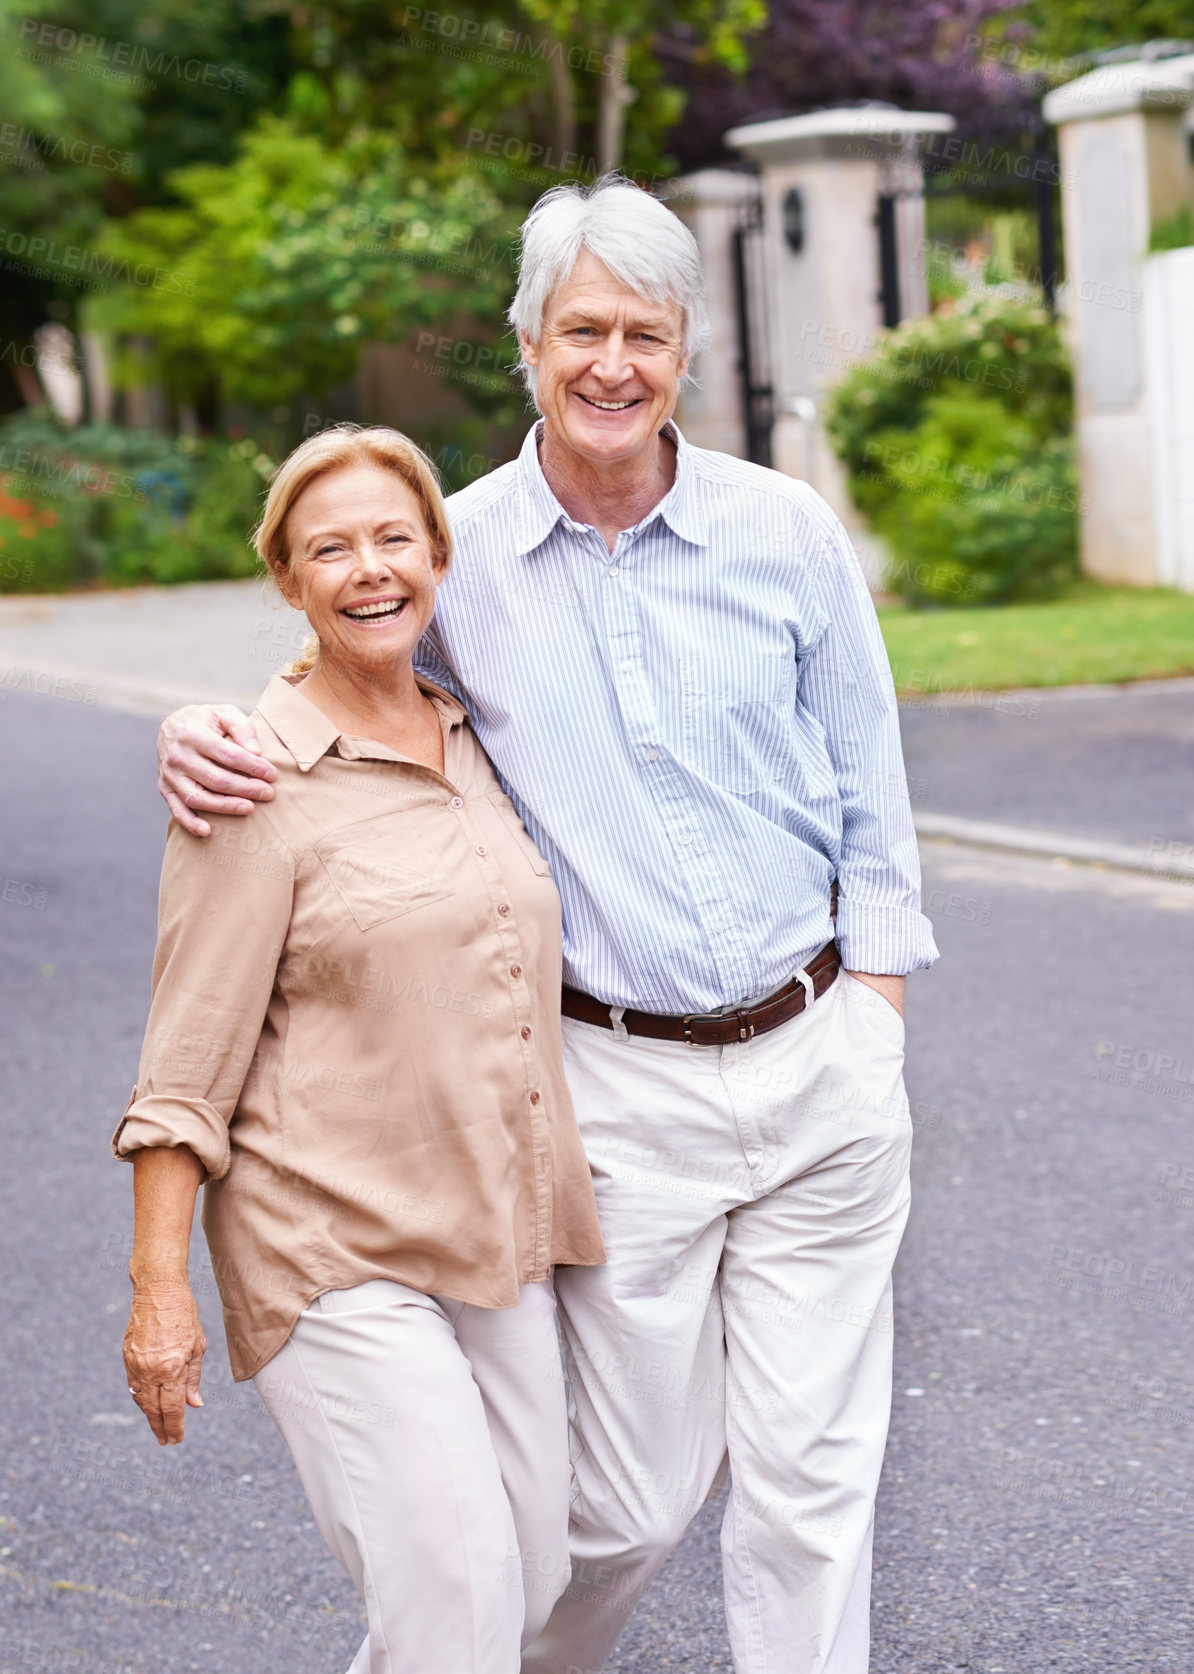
672, 659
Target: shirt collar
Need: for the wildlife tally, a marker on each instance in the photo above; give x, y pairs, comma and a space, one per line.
308, 733
540, 511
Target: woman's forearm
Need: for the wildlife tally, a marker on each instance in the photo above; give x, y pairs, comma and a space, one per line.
164, 1344
165, 1181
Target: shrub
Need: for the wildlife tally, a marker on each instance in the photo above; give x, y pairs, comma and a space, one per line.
104, 506
957, 441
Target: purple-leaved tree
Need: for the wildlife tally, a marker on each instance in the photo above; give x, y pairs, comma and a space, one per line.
924, 55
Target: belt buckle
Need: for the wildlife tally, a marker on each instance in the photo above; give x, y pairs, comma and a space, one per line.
745, 1030
691, 1017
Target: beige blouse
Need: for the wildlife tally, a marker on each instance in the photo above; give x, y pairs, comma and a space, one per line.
355, 1028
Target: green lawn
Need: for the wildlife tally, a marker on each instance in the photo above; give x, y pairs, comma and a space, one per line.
1093, 634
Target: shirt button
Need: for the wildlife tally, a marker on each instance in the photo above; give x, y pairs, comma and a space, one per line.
516, 970
612, 570
652, 755
504, 908
481, 849
456, 802
534, 1098
526, 1033
627, 664
685, 837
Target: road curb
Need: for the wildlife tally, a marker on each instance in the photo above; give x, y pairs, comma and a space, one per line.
100, 688
1153, 862
989, 697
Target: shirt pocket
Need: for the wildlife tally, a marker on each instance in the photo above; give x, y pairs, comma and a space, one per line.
370, 872
739, 719
523, 838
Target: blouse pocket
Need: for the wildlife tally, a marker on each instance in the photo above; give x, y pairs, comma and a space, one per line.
522, 836
371, 875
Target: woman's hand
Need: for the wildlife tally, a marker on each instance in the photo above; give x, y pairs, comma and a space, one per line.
163, 1355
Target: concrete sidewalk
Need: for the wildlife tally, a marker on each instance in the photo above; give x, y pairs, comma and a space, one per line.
1106, 781
148, 649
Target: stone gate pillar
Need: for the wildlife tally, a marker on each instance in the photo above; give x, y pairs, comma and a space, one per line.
711, 203
1125, 166
825, 180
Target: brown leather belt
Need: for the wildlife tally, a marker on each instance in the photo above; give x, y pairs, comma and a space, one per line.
722, 1028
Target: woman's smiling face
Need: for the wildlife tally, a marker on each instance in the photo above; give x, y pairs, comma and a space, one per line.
362, 566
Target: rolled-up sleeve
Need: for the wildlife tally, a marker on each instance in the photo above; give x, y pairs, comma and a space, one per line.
846, 684
223, 913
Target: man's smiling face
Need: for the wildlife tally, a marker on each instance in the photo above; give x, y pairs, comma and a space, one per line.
609, 364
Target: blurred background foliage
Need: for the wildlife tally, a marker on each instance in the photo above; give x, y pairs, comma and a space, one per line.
219, 205
957, 439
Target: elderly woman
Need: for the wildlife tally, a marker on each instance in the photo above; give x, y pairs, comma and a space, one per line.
354, 1045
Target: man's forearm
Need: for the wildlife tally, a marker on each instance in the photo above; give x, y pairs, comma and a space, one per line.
891, 987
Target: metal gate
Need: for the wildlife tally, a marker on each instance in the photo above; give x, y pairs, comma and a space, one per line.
1040, 190
750, 306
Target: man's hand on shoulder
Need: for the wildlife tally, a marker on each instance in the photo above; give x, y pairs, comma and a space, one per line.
209, 762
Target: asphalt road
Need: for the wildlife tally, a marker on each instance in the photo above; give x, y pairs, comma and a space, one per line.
1092, 761
1035, 1512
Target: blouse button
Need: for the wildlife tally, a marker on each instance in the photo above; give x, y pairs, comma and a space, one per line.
481, 849
456, 802
516, 970
503, 909
534, 1098
526, 1033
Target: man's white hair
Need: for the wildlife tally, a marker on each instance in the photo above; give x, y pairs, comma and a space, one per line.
640, 241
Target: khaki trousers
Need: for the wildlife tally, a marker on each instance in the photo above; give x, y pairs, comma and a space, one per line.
752, 1199
432, 1440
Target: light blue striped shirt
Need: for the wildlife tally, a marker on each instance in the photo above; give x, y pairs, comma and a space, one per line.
699, 730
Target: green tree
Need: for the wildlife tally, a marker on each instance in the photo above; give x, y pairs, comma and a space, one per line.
1062, 29
101, 99
272, 271
620, 39
261, 148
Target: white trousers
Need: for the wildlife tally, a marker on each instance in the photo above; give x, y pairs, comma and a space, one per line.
432, 1440
752, 1199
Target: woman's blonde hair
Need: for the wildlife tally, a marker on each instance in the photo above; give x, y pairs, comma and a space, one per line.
331, 450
